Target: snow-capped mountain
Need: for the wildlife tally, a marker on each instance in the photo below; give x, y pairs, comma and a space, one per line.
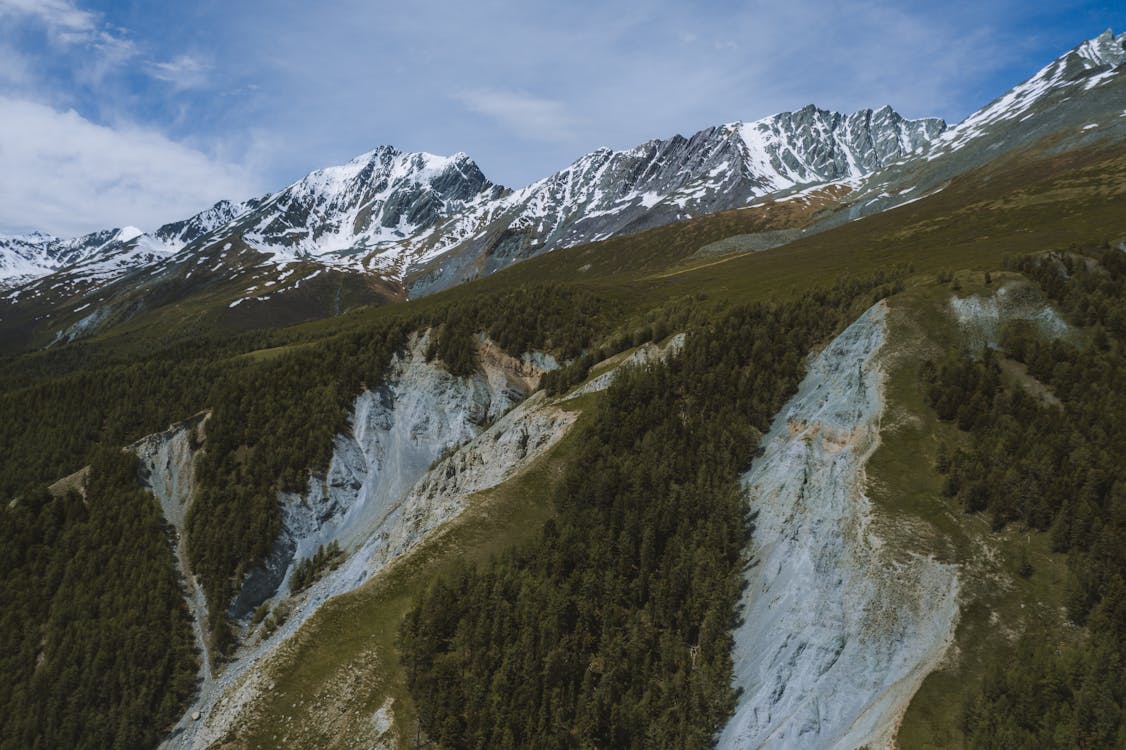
1077, 99
107, 253
179, 234
24, 256
1093, 63
29, 256
416, 223
393, 213
352, 214
607, 192
429, 221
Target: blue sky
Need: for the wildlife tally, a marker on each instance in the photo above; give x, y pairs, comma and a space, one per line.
115, 113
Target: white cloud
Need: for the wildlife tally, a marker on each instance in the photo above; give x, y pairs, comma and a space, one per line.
527, 116
68, 26
67, 175
15, 68
183, 72
63, 19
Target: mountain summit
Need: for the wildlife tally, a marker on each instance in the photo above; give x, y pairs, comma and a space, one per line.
416, 223
430, 221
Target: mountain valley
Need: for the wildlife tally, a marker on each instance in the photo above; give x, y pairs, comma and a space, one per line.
802, 432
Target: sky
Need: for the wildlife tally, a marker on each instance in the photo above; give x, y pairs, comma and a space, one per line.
140, 113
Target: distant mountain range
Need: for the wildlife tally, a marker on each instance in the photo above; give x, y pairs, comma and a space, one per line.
415, 223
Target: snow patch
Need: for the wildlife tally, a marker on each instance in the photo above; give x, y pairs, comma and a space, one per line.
125, 234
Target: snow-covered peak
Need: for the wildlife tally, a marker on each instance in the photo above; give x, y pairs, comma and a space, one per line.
181, 233
126, 234
35, 237
383, 164
787, 149
382, 196
24, 256
1105, 49
1093, 63
815, 145
99, 254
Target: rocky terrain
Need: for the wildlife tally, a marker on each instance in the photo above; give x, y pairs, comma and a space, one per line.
417, 448
838, 628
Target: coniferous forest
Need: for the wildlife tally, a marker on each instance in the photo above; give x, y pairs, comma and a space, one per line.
1053, 465
613, 628
802, 428
96, 646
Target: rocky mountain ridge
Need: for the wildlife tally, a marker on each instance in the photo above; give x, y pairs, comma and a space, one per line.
404, 225
391, 212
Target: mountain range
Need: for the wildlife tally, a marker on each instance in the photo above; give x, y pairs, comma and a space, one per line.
391, 225
804, 432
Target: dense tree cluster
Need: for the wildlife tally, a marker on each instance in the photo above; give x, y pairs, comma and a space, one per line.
614, 628
563, 321
273, 419
96, 646
310, 569
1057, 468
50, 428
1087, 287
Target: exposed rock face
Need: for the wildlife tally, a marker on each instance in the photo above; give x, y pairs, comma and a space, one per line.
496, 455
168, 466
644, 354
397, 431
417, 449
838, 629
982, 319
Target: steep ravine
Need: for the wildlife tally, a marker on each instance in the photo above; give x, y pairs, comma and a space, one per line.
417, 447
838, 628
168, 466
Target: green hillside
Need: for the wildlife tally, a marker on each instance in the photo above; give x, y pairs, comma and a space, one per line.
598, 542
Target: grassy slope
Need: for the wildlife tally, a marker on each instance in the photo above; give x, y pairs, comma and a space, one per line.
997, 604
